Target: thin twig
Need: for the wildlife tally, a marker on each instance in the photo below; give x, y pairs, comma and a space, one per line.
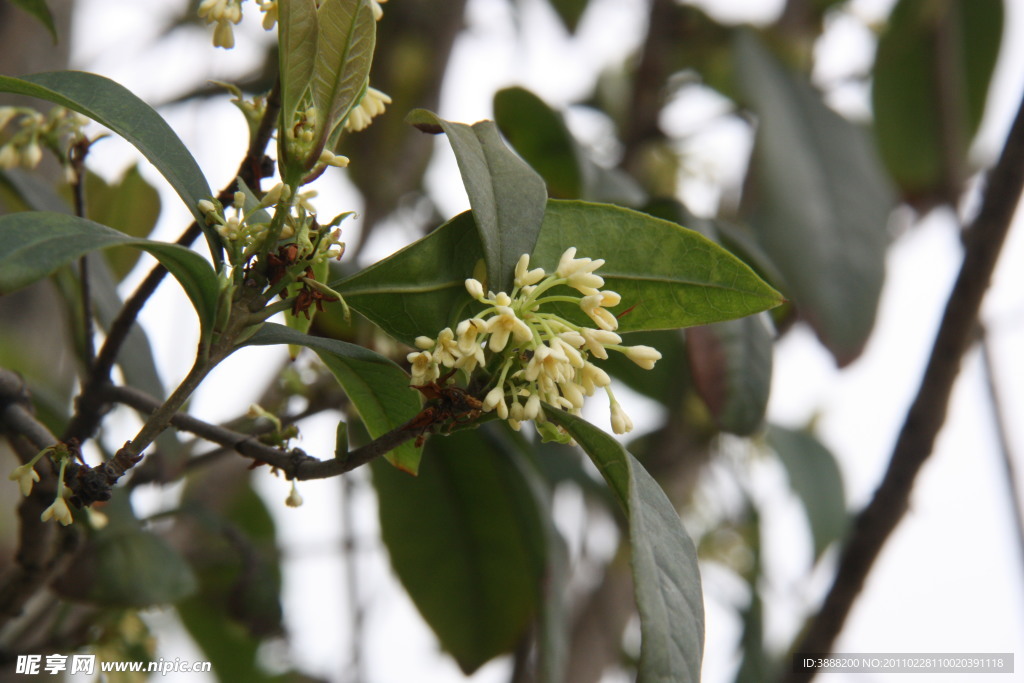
1005, 450
296, 464
76, 157
876, 522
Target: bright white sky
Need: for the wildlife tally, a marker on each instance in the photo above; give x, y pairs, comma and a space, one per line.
950, 579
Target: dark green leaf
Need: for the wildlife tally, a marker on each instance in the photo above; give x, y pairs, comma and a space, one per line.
39, 10
821, 202
377, 387
731, 365
420, 289
668, 276
815, 478
506, 195
39, 242
539, 133
129, 567
666, 577
113, 106
930, 83
466, 541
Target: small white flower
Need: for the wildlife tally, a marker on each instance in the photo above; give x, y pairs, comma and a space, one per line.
591, 305
495, 399
423, 342
475, 289
506, 323
270, 13
467, 331
525, 277
586, 283
621, 423
31, 155
446, 352
596, 340
26, 476
573, 393
378, 12
331, 159
59, 511
592, 377
568, 265
573, 356
223, 35
532, 408
9, 157
293, 500
424, 369
372, 105
644, 356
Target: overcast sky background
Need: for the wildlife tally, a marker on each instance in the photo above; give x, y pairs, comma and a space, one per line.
950, 579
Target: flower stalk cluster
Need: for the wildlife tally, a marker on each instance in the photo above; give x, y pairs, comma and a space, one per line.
533, 354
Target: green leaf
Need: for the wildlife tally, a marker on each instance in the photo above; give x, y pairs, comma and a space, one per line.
930, 83
297, 36
113, 106
666, 577
377, 387
817, 481
821, 202
39, 242
539, 133
346, 35
420, 289
130, 205
506, 195
731, 365
466, 541
128, 567
668, 276
39, 10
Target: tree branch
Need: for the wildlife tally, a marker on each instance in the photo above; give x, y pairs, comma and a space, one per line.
296, 464
982, 243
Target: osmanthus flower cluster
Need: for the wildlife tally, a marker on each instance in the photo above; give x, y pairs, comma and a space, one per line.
26, 476
533, 354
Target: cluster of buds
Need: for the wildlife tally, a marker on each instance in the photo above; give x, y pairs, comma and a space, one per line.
34, 131
245, 229
534, 355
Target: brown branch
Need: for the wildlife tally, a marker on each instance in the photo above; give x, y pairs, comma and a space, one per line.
296, 464
982, 243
